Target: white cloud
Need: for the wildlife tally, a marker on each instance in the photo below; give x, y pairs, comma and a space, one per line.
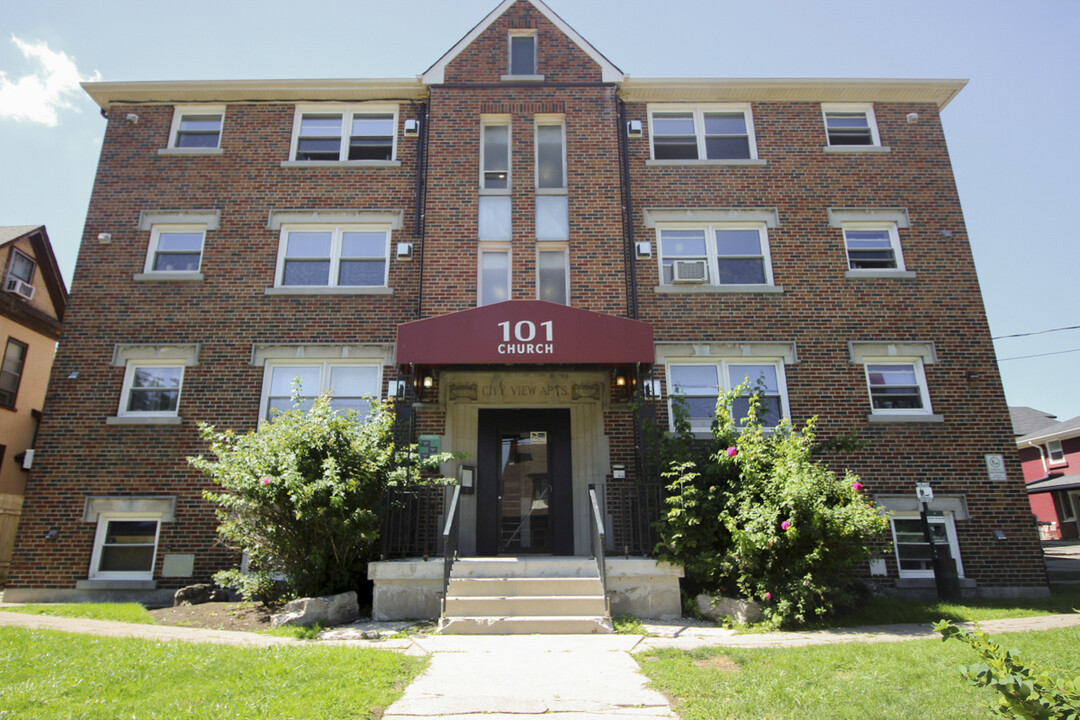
39, 96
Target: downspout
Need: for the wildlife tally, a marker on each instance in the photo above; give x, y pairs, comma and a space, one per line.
628, 212
421, 203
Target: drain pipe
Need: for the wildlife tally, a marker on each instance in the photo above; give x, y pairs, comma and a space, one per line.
421, 202
628, 212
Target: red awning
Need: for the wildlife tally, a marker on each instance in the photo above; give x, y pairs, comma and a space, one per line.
525, 332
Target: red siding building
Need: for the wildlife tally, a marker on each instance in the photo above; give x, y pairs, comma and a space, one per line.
515, 246
1050, 456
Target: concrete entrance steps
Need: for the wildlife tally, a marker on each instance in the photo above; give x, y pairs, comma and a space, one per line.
524, 596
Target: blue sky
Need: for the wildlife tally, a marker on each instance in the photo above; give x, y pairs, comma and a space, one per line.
1012, 132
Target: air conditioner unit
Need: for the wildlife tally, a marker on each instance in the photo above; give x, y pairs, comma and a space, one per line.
689, 271
17, 286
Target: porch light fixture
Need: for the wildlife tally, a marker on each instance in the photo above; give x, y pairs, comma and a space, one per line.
620, 380
428, 381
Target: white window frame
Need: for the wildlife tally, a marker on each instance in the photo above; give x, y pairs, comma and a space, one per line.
324, 365
518, 33
1050, 452
129, 379
712, 259
894, 240
699, 112
948, 520
722, 366
866, 109
10, 272
549, 121
920, 378
347, 112
152, 248
487, 121
554, 247
493, 247
182, 111
337, 231
99, 542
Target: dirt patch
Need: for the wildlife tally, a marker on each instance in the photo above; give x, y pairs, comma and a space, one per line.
240, 616
719, 662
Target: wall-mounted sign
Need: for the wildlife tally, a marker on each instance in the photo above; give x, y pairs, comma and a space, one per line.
537, 438
924, 492
428, 445
995, 468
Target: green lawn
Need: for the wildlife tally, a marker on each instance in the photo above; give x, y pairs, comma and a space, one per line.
119, 612
48, 675
885, 681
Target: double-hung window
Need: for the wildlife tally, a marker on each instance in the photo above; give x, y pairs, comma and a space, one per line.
151, 389
897, 386
708, 132
175, 248
699, 384
550, 153
197, 128
125, 546
341, 134
1055, 454
20, 268
850, 125
495, 154
714, 254
873, 246
913, 554
333, 256
353, 385
11, 371
523, 57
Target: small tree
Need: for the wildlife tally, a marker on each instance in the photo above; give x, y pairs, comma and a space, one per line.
303, 495
766, 521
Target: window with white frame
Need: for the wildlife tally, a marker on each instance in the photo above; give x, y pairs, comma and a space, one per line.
352, 385
197, 127
1055, 453
550, 153
340, 134
708, 132
494, 274
495, 154
850, 125
21, 267
715, 254
175, 248
342, 256
873, 246
699, 384
897, 386
151, 388
11, 371
125, 546
913, 554
523, 59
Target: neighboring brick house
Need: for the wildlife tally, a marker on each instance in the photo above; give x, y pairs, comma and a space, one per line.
32, 303
1050, 455
651, 237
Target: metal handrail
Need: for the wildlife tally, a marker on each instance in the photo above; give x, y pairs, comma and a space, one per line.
450, 542
596, 528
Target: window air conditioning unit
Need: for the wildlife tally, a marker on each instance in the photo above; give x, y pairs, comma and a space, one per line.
689, 271
17, 286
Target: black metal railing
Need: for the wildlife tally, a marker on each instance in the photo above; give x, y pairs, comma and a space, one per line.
596, 533
632, 510
450, 534
411, 522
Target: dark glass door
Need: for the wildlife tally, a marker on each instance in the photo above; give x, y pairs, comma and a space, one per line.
523, 483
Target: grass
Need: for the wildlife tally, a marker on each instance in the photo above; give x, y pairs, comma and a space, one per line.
884, 681
299, 632
47, 675
628, 625
118, 612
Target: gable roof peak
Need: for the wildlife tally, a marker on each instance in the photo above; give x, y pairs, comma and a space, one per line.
435, 74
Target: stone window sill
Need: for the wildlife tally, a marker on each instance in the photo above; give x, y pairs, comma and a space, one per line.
905, 418
329, 291
879, 274
340, 163
126, 420
187, 152
663, 163
872, 149
690, 289
168, 277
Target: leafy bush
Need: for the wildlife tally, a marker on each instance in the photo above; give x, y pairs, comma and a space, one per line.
303, 496
763, 520
1025, 692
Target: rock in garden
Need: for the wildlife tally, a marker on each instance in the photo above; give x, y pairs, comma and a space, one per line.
329, 610
742, 611
199, 594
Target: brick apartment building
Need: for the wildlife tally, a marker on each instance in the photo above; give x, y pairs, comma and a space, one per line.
515, 245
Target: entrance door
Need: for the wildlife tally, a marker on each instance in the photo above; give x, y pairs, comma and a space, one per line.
523, 485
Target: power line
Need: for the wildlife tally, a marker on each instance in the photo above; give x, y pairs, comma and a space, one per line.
1038, 332
1024, 357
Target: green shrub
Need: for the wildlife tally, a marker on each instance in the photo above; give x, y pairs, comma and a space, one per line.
1025, 692
763, 520
303, 496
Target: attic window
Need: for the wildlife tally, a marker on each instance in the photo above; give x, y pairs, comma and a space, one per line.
523, 53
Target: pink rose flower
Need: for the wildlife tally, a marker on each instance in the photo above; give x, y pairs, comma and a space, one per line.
768, 596
856, 485
265, 481
785, 525
732, 451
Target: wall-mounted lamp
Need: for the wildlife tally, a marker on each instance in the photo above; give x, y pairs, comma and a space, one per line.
970, 374
132, 119
912, 118
946, 233
412, 128
104, 238
633, 129
428, 381
620, 380
1000, 535
74, 375
404, 251
52, 534
644, 248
